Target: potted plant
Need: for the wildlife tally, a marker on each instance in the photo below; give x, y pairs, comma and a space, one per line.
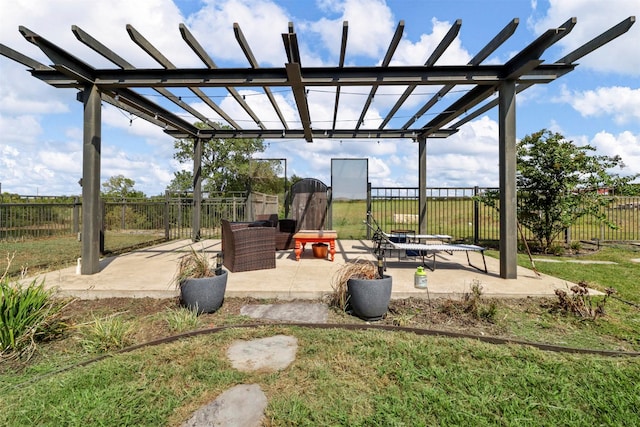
201, 287
360, 287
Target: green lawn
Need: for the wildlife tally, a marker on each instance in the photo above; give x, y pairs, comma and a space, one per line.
365, 378
61, 251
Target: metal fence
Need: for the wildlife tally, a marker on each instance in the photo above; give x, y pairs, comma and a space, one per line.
38, 217
452, 211
456, 212
170, 217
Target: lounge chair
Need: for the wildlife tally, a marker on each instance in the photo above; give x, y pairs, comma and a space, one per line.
383, 242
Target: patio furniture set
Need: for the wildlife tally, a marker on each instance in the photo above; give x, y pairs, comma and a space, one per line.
252, 245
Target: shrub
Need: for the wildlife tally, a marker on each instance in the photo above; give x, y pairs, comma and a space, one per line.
27, 314
576, 246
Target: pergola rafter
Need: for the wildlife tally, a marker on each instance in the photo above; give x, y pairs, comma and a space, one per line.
123, 88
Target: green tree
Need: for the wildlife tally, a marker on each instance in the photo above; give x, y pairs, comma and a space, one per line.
558, 183
225, 162
120, 187
182, 182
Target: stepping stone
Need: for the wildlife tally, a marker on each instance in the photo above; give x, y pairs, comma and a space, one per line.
296, 312
635, 259
240, 406
266, 354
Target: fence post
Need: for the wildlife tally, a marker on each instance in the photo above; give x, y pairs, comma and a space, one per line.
166, 215
368, 209
76, 216
123, 223
103, 210
476, 215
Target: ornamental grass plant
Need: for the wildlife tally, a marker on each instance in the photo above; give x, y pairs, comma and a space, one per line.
28, 313
357, 269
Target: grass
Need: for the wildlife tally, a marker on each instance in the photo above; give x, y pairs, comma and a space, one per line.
106, 334
60, 251
622, 311
365, 378
182, 319
27, 313
358, 378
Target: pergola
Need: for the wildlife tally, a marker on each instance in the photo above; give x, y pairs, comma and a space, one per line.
121, 87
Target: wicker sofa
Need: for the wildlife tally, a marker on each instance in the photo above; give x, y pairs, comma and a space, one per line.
284, 230
247, 248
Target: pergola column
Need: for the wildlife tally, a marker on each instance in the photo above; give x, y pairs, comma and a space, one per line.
197, 188
91, 212
508, 190
422, 185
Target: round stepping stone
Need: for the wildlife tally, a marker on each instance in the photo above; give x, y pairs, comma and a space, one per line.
242, 405
265, 354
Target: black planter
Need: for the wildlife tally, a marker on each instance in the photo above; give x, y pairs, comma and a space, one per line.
204, 295
369, 298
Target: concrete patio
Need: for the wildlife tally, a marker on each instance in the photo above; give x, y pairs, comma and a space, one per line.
148, 272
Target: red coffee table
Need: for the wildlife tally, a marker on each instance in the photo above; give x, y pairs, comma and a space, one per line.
303, 237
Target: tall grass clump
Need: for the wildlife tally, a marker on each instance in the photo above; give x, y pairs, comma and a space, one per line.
28, 314
106, 334
182, 319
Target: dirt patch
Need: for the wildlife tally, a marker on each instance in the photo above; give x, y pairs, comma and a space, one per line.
149, 315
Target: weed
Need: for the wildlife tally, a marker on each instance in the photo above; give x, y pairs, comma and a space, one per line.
402, 319
182, 319
106, 334
581, 302
472, 305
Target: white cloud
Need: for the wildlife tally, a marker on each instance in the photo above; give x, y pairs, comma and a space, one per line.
262, 23
417, 53
156, 20
595, 17
21, 130
364, 39
625, 144
622, 104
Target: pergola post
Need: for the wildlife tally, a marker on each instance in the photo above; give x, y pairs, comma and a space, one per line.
91, 212
197, 188
508, 190
422, 185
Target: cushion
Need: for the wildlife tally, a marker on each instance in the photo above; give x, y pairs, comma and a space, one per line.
260, 224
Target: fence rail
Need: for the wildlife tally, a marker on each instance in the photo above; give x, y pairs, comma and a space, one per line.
456, 212
452, 211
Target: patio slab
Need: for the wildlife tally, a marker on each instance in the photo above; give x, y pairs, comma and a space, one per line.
148, 272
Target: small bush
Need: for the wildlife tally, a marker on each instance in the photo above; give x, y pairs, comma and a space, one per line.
576, 246
28, 314
106, 334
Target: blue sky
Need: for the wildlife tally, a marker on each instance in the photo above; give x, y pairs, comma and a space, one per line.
41, 127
